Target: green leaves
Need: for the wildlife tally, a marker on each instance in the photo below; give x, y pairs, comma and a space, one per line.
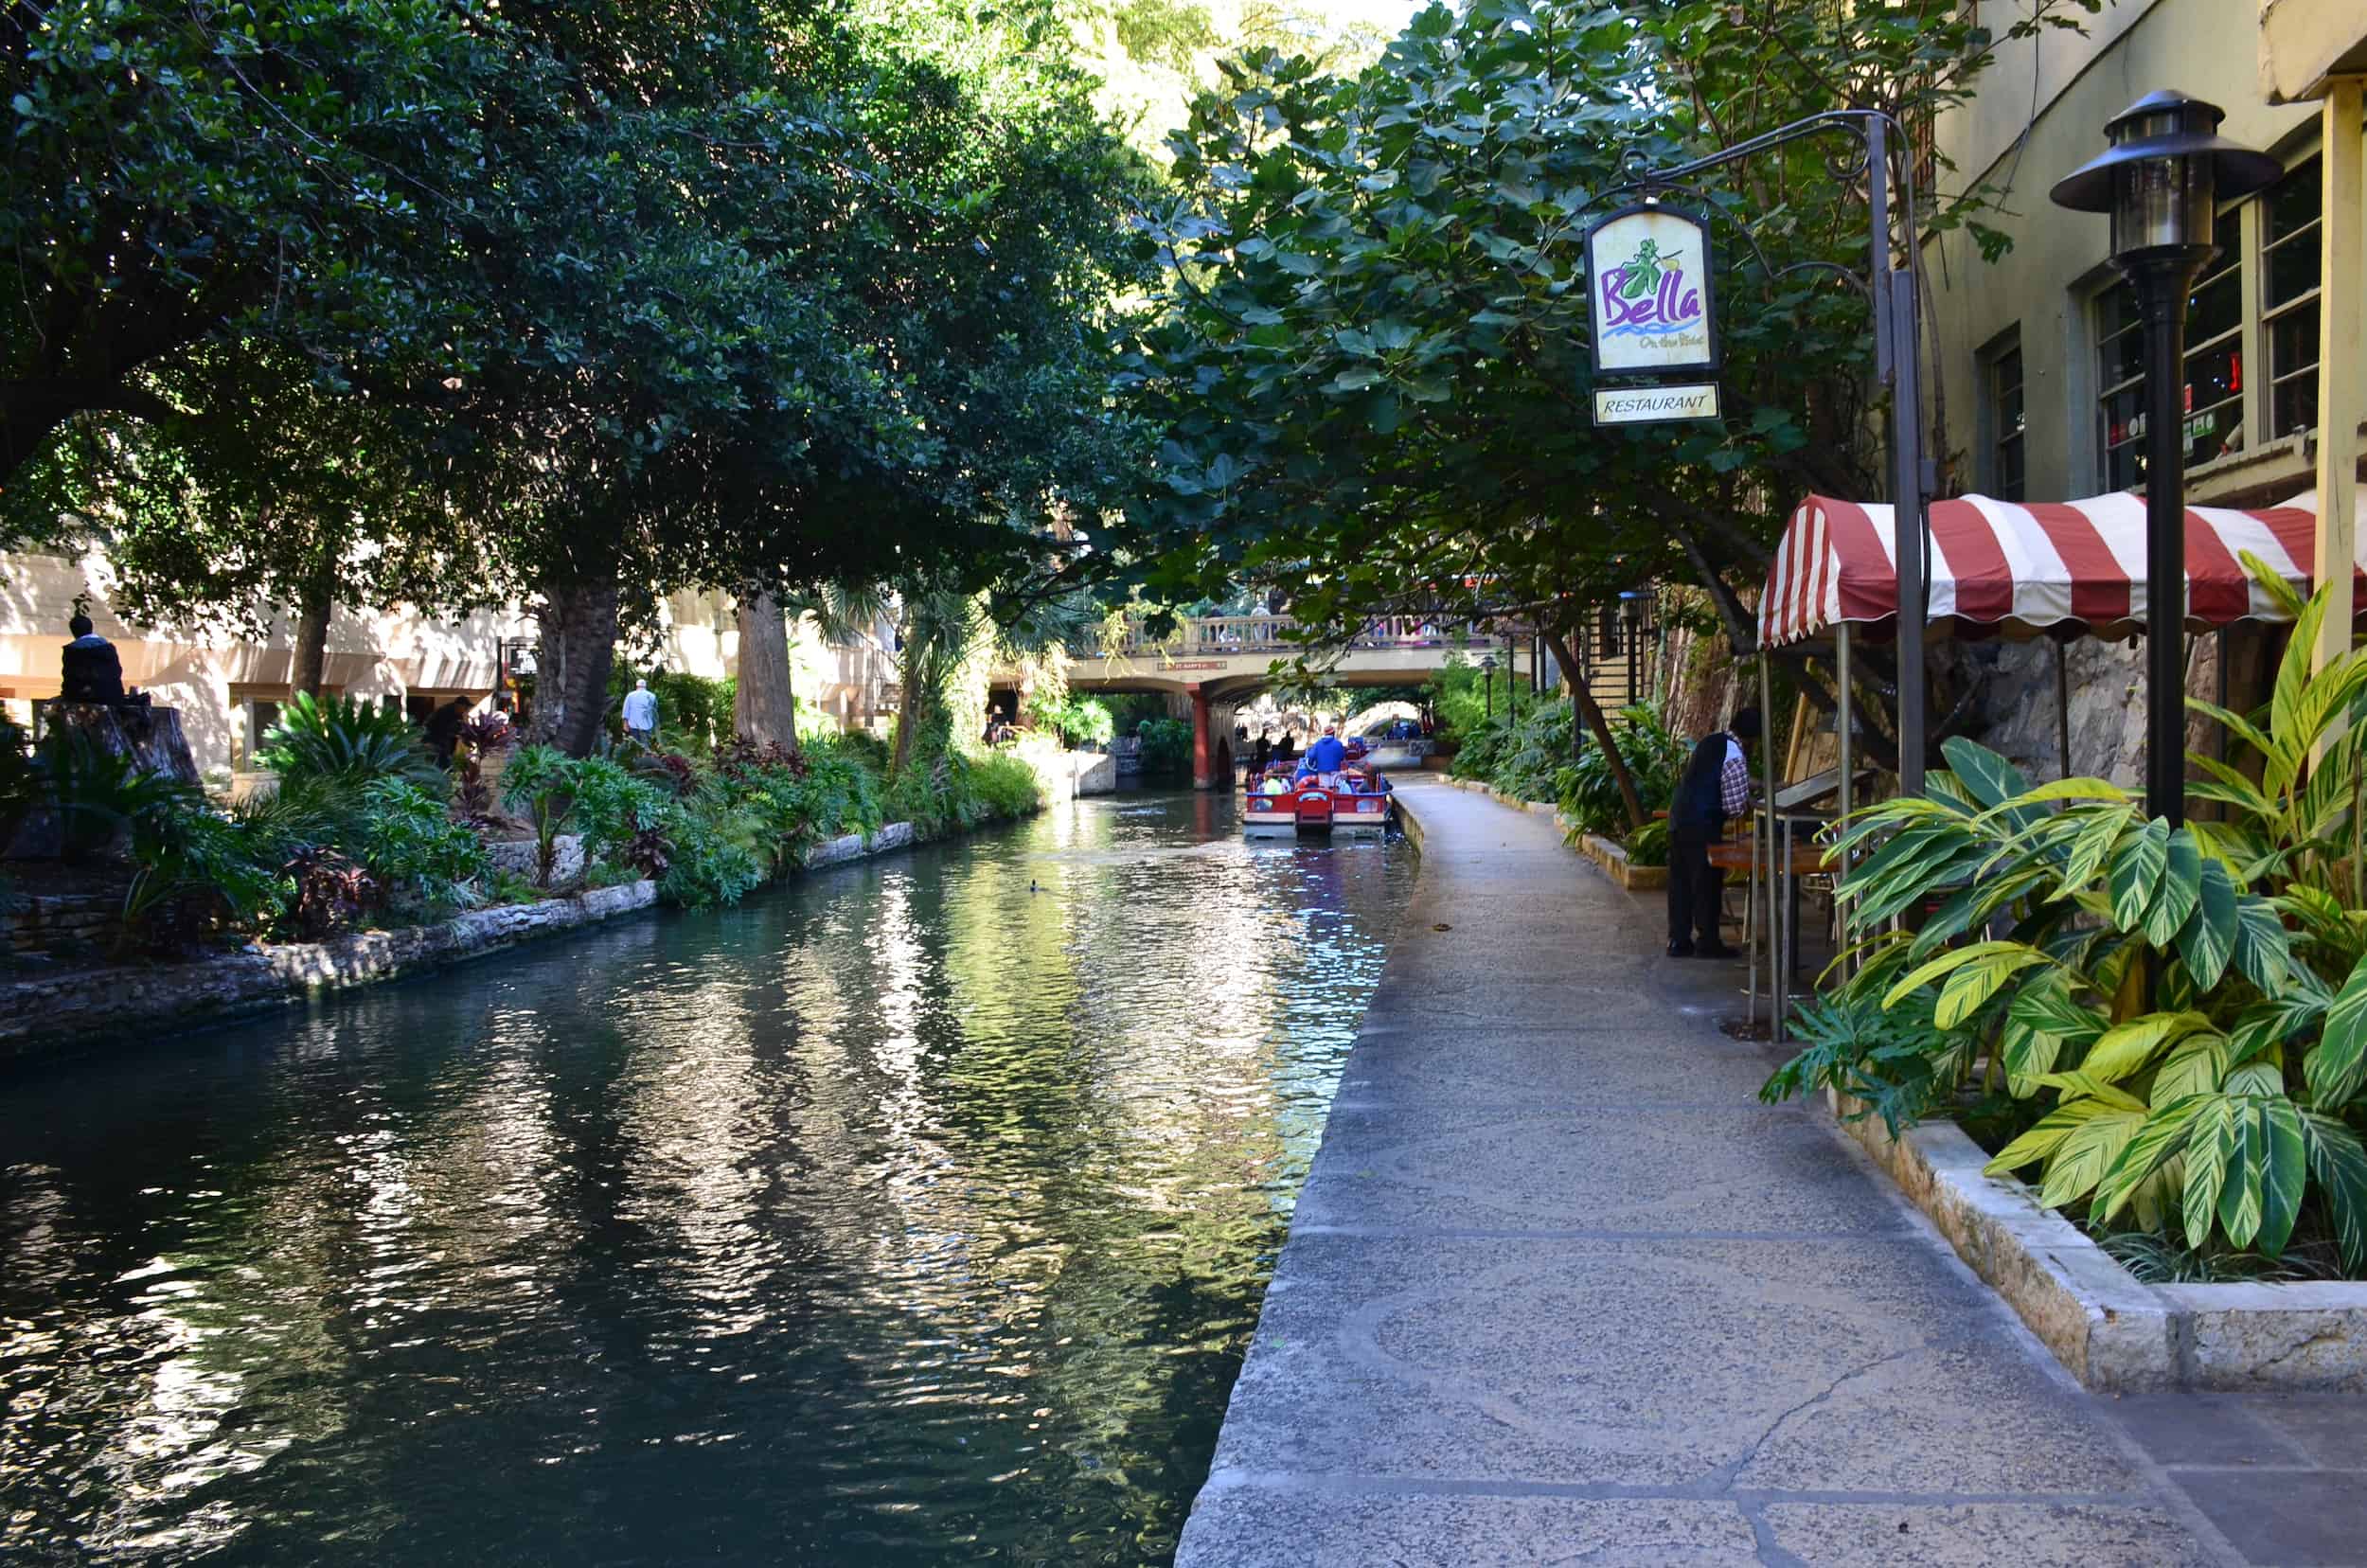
2137, 868
2338, 1065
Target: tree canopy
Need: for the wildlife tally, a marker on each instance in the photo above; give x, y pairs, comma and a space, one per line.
1373, 359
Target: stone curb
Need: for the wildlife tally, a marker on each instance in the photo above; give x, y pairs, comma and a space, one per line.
2112, 1331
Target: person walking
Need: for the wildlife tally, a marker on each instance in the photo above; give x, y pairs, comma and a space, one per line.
641, 713
1714, 789
443, 729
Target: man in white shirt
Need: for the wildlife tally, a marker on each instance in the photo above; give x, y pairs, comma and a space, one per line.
641, 713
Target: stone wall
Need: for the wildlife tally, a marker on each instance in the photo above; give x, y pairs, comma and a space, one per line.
47, 923
2107, 699
91, 1004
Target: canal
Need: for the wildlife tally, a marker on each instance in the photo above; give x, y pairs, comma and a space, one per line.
917, 1212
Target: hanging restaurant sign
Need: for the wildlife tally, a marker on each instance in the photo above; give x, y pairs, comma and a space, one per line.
1649, 270
1655, 403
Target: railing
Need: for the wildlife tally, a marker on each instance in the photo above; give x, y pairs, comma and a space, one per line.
1215, 636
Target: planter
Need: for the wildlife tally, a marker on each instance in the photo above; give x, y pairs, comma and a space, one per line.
2110, 1329
1612, 857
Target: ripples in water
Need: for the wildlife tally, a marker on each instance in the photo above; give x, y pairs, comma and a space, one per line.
904, 1215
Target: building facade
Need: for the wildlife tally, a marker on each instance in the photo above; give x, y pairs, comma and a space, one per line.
2036, 358
228, 689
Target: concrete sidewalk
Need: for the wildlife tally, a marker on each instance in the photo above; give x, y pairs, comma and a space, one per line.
1560, 1291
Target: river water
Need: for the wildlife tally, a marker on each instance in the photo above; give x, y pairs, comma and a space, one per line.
906, 1213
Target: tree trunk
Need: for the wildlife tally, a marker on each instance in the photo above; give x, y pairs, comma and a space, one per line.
764, 703
578, 644
312, 630
1613, 757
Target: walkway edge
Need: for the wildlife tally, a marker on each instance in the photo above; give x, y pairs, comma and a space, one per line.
2110, 1330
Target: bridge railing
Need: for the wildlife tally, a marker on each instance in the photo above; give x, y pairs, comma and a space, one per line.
1215, 636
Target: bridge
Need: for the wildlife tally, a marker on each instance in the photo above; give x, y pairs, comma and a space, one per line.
1219, 661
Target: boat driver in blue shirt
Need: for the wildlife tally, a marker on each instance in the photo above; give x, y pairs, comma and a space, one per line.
1327, 755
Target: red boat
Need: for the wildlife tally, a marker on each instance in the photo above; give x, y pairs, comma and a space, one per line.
1308, 806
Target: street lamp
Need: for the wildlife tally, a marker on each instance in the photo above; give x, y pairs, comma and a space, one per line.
1488, 682
2163, 180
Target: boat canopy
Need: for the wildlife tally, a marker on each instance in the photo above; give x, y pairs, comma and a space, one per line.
2027, 569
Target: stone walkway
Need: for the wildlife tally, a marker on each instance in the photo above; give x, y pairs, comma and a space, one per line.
1560, 1291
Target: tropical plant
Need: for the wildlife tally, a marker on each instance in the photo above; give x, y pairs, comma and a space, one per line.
1891, 1059
102, 798
192, 867
346, 741
416, 850
1648, 845
2190, 1003
329, 891
540, 784
620, 816
1588, 792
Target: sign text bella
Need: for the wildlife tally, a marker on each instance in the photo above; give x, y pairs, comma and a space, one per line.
1649, 269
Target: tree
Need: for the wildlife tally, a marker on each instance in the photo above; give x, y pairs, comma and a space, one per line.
1373, 359
184, 174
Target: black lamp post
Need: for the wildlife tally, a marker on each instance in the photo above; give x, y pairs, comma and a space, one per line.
1488, 682
2163, 181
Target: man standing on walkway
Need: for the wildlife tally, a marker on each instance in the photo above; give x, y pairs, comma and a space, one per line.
641, 713
1714, 789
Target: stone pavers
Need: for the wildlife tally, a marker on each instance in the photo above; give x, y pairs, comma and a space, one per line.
1560, 1291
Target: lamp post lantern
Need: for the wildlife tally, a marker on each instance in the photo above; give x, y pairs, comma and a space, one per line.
2163, 180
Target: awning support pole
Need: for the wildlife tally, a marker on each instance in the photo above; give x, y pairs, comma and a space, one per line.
1848, 721
2062, 709
1777, 873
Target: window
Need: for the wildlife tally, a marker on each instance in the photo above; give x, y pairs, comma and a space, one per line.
2291, 261
2215, 367
2001, 392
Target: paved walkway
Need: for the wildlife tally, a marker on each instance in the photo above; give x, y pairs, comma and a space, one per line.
1560, 1291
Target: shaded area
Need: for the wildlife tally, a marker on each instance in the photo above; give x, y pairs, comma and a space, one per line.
905, 1215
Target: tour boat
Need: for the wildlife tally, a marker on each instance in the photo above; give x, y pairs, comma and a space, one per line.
1309, 808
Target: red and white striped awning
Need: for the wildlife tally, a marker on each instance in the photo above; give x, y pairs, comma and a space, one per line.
2020, 569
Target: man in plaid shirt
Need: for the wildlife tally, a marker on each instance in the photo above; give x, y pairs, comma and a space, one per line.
1714, 789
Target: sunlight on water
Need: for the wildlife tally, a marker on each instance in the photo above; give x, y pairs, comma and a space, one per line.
902, 1216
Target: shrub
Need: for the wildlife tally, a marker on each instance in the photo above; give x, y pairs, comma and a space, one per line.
415, 849
345, 739
621, 817
193, 867
1648, 845
1167, 747
1588, 793
1007, 786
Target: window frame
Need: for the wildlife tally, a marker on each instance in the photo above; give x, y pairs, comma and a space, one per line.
2233, 260
1995, 436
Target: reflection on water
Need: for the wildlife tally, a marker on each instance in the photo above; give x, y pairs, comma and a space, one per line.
903, 1216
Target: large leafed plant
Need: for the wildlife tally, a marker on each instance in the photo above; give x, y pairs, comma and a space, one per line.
2190, 1003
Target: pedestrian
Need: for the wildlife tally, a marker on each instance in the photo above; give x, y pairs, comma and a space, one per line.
641, 713
1714, 789
1260, 754
443, 729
